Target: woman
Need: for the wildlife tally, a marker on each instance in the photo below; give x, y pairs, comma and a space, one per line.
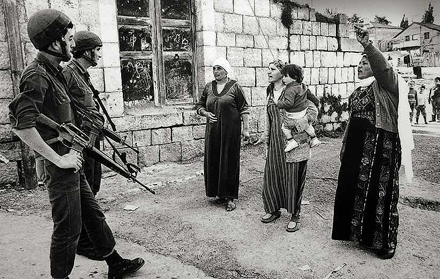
284, 173
376, 141
223, 104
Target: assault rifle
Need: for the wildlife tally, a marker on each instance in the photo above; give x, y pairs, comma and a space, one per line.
94, 125
74, 138
108, 134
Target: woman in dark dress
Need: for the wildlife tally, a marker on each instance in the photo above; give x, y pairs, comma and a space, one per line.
224, 105
376, 142
284, 173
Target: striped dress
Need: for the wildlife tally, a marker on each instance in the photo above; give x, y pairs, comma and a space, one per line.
284, 173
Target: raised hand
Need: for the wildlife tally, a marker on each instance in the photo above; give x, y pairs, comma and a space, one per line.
362, 35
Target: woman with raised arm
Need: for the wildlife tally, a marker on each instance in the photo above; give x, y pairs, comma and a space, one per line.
377, 140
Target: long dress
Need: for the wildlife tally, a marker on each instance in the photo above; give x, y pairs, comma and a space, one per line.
222, 138
368, 185
284, 174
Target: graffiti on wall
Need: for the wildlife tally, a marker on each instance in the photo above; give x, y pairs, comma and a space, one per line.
135, 39
137, 82
176, 39
178, 79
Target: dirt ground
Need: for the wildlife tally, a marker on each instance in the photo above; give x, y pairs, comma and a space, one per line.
183, 234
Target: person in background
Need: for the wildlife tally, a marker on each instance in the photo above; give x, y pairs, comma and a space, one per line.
377, 140
412, 99
294, 102
434, 99
43, 91
422, 103
284, 172
224, 106
86, 54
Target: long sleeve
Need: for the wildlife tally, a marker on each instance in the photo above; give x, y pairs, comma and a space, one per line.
312, 98
383, 72
201, 104
288, 101
242, 103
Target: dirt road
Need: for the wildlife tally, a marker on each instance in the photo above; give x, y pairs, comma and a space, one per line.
183, 234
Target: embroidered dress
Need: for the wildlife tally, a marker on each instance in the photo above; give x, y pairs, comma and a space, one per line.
368, 185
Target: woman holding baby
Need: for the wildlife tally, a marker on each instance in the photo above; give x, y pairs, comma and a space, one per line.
286, 166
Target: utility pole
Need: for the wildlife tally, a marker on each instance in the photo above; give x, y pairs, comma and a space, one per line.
26, 167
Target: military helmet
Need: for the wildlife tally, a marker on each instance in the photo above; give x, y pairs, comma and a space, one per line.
85, 40
46, 26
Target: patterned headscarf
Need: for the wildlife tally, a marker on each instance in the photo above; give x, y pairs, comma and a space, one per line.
278, 63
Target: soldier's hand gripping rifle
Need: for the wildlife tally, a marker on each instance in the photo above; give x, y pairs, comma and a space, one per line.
74, 138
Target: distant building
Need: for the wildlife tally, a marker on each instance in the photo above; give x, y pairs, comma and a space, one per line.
382, 34
422, 41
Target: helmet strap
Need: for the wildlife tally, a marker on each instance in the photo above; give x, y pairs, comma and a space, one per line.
64, 56
90, 58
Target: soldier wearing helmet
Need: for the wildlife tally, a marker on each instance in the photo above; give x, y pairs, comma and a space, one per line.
86, 54
43, 91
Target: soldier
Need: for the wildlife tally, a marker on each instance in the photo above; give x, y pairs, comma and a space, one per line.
43, 91
86, 53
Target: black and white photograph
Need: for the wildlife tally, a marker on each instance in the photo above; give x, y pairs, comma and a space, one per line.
228, 139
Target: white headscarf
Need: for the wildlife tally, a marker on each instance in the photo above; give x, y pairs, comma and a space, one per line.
223, 63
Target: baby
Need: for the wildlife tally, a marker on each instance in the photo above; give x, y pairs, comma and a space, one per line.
294, 101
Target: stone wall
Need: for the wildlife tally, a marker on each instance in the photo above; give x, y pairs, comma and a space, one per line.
248, 33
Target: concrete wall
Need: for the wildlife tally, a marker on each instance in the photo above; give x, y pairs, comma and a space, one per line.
249, 36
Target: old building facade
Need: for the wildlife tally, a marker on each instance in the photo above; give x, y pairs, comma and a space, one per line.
158, 54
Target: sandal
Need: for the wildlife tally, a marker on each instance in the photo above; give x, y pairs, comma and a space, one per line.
221, 200
291, 228
230, 205
273, 216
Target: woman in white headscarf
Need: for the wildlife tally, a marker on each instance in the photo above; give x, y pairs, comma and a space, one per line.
224, 105
377, 141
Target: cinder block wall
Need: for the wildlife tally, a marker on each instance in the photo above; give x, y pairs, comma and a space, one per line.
248, 35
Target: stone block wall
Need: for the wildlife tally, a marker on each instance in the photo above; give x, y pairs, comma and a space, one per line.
248, 33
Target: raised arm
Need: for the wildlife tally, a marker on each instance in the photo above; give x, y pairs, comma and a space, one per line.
382, 70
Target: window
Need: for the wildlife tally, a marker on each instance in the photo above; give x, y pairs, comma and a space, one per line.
426, 35
407, 38
156, 44
415, 37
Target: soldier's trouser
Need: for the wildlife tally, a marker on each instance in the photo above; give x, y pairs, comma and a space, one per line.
72, 204
93, 173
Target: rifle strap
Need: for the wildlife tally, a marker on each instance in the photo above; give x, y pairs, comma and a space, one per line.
104, 110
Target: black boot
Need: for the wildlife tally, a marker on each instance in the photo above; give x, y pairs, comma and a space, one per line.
386, 254
124, 267
433, 118
424, 117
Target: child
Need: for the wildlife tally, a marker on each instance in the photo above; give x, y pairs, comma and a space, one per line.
294, 102
422, 103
